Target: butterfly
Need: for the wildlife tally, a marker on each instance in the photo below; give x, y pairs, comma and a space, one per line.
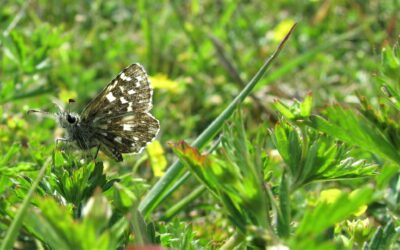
118, 120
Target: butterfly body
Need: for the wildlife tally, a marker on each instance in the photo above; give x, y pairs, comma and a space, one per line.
77, 131
118, 120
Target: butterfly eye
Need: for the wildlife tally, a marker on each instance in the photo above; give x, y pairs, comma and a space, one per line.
71, 119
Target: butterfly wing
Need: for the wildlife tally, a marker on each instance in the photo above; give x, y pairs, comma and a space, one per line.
128, 133
129, 91
120, 114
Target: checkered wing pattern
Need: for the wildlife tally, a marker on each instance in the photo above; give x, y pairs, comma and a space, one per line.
120, 116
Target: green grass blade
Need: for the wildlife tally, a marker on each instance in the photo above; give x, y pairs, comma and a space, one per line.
156, 194
29, 94
13, 231
180, 205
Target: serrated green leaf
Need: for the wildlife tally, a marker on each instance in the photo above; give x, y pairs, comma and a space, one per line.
284, 110
382, 237
306, 106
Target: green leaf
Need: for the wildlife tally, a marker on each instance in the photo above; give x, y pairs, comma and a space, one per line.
312, 157
285, 110
298, 110
326, 214
96, 212
306, 106
201, 166
284, 219
15, 48
287, 142
354, 129
13, 230
311, 163
53, 224
179, 235
382, 238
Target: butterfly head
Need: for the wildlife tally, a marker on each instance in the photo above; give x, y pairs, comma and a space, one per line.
65, 118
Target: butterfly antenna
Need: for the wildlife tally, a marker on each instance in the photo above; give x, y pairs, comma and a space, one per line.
39, 112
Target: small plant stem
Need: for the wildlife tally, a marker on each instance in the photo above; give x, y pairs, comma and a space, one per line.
183, 203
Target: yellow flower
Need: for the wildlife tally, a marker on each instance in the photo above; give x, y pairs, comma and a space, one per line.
157, 158
161, 81
330, 195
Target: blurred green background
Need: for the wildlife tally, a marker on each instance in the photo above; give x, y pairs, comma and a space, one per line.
198, 54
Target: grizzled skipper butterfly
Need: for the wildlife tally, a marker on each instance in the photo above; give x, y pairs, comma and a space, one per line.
117, 121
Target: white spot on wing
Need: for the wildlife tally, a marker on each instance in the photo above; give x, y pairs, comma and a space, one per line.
110, 97
112, 86
118, 139
128, 118
131, 92
123, 100
139, 78
130, 107
125, 77
135, 138
128, 127
121, 88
